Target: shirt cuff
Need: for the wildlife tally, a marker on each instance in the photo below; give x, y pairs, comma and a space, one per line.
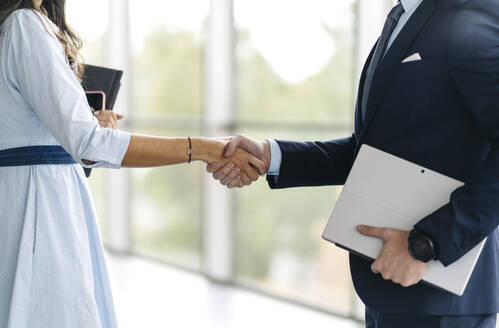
275, 158
113, 153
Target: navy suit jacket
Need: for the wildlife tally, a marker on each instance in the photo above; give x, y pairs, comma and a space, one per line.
442, 113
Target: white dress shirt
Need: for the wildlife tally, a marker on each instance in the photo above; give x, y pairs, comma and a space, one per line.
410, 7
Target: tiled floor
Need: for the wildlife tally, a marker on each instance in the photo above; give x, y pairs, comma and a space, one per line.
151, 295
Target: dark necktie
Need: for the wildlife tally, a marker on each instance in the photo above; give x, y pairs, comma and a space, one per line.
390, 24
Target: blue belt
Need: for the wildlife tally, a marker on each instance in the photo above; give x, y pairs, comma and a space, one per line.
35, 155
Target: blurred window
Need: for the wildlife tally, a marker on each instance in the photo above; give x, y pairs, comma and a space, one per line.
295, 66
295, 60
167, 42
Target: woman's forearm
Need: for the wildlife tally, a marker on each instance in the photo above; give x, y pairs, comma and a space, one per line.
149, 151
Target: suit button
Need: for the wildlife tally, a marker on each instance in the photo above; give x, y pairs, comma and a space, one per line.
466, 245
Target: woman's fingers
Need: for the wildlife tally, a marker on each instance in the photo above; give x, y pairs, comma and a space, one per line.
251, 172
107, 118
106, 123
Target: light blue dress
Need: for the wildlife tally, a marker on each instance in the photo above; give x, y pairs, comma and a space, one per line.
52, 269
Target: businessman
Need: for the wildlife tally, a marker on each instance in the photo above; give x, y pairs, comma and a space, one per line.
429, 93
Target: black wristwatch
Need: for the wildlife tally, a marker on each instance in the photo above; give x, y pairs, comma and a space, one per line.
421, 246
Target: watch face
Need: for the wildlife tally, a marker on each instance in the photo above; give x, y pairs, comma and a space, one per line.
420, 248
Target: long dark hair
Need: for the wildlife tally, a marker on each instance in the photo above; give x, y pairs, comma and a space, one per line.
55, 10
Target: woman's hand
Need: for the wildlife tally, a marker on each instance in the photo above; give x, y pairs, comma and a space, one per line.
108, 118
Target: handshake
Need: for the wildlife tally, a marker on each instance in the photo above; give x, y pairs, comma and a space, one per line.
243, 161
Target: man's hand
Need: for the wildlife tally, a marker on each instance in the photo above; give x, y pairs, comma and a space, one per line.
394, 262
228, 176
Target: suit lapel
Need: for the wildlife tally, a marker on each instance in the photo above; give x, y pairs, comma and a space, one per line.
392, 59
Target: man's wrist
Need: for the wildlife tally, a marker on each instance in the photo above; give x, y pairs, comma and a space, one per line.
275, 157
267, 155
421, 247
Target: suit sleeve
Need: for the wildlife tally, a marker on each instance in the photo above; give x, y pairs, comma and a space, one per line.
307, 164
473, 211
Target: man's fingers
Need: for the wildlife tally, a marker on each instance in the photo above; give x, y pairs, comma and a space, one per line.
214, 167
222, 173
405, 283
376, 267
233, 175
371, 231
258, 164
236, 183
251, 172
415, 282
245, 179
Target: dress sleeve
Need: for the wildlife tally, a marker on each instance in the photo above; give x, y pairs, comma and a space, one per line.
43, 77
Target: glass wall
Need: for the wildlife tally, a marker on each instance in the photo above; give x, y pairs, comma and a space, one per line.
295, 71
295, 60
90, 19
167, 44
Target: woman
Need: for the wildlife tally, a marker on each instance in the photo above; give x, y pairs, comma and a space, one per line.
52, 270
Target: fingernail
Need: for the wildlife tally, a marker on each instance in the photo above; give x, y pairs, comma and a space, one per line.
227, 154
360, 227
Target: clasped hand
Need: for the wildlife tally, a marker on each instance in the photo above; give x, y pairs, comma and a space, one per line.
229, 174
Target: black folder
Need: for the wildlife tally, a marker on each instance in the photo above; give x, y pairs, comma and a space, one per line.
105, 80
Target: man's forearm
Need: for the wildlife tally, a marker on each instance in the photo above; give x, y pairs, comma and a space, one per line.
314, 163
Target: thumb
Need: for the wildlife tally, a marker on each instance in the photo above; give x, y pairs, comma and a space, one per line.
231, 147
119, 116
258, 164
371, 231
